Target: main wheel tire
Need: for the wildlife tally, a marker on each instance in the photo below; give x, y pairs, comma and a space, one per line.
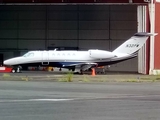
13, 70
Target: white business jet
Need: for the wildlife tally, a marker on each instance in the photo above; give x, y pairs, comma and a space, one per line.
81, 60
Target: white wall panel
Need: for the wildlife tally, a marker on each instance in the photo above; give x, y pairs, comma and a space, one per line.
142, 27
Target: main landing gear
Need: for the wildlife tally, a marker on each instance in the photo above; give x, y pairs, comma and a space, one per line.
16, 70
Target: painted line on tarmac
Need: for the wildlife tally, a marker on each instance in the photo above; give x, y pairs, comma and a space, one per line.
37, 100
83, 98
50, 99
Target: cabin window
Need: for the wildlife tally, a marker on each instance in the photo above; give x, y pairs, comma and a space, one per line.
30, 54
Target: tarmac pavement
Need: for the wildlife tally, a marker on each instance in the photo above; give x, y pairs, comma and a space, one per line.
34, 100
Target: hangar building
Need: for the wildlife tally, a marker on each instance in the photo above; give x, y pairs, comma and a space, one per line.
83, 24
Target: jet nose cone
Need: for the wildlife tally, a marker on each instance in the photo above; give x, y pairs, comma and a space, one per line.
12, 61
5, 62
9, 62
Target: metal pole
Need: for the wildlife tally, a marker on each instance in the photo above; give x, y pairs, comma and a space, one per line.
152, 26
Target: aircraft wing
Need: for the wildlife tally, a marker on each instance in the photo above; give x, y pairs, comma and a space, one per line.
88, 65
77, 64
84, 66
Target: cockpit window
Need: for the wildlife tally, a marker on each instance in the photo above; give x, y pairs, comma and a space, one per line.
30, 54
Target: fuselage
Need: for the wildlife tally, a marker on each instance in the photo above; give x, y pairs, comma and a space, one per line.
55, 56
60, 58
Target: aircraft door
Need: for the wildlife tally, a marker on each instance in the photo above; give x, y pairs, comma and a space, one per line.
45, 58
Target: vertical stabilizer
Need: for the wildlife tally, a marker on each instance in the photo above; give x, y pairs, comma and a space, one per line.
133, 44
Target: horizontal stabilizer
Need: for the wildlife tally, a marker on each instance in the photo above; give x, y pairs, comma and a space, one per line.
143, 34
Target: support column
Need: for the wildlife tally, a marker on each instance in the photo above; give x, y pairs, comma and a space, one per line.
152, 24
155, 70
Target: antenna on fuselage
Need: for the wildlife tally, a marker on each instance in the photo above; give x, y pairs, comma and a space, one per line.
55, 49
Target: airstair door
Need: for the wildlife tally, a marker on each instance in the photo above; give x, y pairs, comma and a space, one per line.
45, 58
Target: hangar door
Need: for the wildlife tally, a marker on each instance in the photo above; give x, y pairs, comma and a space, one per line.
104, 27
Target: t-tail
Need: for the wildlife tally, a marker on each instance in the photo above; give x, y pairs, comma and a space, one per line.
134, 44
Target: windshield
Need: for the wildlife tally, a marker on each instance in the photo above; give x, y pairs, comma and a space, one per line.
29, 54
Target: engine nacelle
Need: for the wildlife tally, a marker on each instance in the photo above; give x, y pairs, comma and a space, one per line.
101, 54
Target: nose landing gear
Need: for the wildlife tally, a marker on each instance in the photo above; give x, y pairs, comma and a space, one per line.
16, 70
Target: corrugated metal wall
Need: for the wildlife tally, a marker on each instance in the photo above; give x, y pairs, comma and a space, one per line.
37, 27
